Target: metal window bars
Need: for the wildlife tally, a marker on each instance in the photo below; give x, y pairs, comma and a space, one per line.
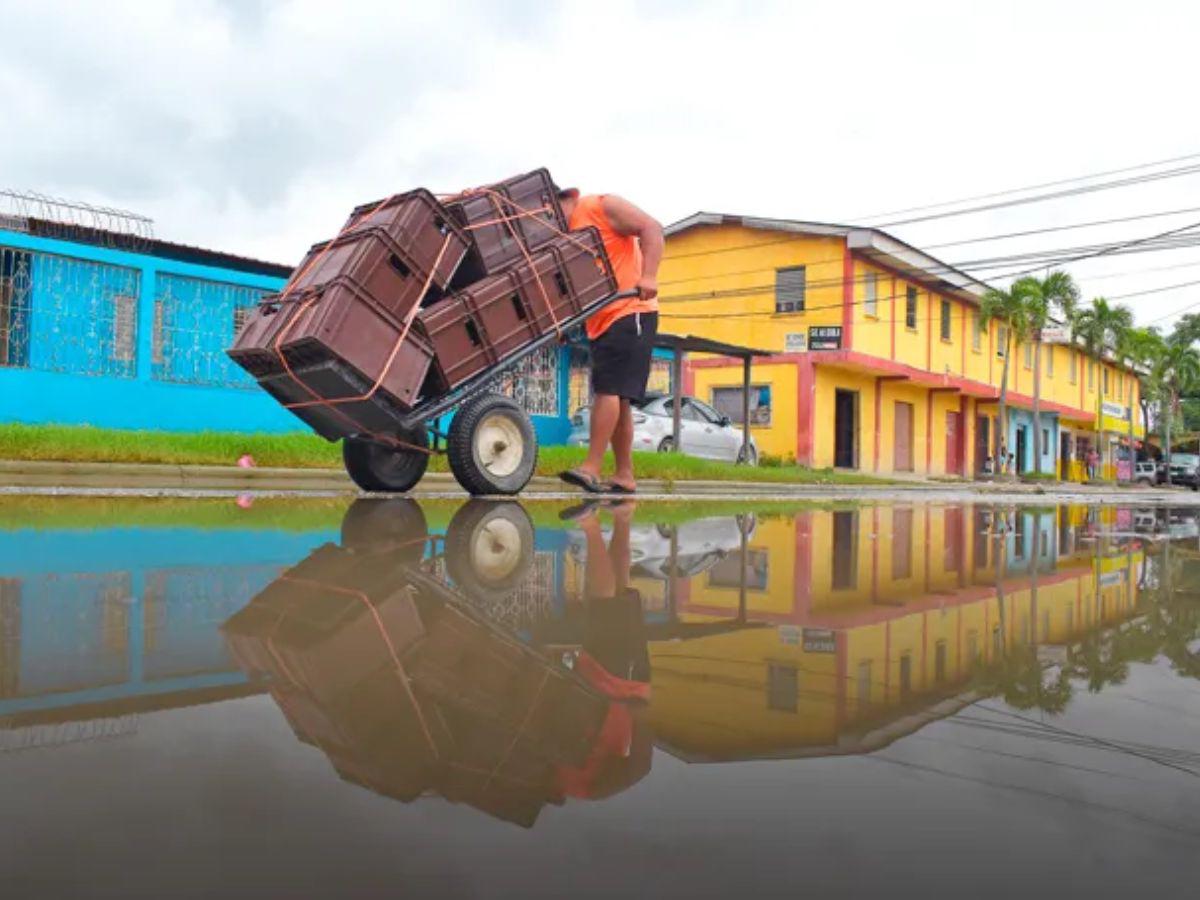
195, 320
63, 314
533, 382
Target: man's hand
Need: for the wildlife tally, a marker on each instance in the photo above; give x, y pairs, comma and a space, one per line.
647, 286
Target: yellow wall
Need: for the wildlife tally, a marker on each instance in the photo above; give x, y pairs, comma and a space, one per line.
730, 258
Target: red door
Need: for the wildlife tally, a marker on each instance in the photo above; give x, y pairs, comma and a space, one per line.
904, 437
953, 425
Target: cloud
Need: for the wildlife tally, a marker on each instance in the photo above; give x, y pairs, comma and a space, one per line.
255, 126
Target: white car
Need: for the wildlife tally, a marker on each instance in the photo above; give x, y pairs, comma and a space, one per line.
703, 431
699, 544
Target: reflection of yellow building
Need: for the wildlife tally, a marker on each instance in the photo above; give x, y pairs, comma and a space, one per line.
879, 361
875, 621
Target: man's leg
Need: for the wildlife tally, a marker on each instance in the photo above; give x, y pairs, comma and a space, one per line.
622, 444
606, 411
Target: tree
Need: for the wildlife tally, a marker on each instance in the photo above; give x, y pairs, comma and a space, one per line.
1009, 308
1057, 292
1101, 326
1177, 372
1142, 347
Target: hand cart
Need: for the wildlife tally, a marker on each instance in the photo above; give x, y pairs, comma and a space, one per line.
491, 445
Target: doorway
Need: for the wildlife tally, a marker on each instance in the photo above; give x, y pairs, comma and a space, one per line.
904, 437
953, 426
983, 448
1022, 439
845, 429
1064, 454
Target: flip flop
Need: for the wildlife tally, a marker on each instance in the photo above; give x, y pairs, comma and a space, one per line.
579, 510
611, 487
582, 480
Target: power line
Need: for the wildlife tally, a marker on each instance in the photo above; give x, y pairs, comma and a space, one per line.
1092, 224
1034, 187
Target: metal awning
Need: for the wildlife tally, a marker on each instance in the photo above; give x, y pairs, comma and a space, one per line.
686, 343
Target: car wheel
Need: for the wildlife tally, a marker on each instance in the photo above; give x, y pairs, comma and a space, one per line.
666, 445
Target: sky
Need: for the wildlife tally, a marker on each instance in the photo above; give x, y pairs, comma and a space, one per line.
254, 126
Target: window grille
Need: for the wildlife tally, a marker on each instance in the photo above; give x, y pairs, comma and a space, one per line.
790, 287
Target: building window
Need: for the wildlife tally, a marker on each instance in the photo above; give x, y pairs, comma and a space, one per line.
973, 645
241, 315
905, 675
728, 402
1045, 440
156, 335
1091, 375
945, 320
15, 299
195, 320
783, 687
124, 328
871, 294
1027, 358
1049, 360
910, 308
790, 284
939, 661
1001, 341
1073, 371
1105, 382
976, 332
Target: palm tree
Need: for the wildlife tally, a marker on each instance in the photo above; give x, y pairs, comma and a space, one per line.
1177, 372
1101, 327
1056, 292
1009, 308
1142, 347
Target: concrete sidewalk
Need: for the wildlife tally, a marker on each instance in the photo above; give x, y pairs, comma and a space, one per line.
119, 478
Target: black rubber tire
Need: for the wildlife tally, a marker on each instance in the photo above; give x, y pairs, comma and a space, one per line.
752, 461
375, 524
666, 445
376, 467
489, 546
462, 450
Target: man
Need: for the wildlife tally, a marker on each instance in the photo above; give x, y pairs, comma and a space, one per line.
621, 335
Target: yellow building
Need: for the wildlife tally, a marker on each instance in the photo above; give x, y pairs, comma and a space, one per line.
880, 363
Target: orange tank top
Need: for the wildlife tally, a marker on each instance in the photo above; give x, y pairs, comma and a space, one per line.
625, 256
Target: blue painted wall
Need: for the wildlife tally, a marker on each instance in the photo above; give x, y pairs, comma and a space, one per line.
1018, 418
72, 372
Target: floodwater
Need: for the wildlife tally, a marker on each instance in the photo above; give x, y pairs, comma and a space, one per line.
309, 699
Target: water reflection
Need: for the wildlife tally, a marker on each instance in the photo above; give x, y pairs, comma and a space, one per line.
508, 667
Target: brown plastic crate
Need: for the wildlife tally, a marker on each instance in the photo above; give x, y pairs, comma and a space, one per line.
254, 349
459, 342
499, 244
393, 275
344, 324
418, 223
572, 275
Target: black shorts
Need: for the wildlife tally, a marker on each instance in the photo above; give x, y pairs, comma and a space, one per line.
621, 356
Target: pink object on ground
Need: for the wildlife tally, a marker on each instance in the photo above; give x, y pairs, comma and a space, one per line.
246, 461
245, 501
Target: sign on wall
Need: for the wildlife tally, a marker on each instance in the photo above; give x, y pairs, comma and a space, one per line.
825, 337
1114, 410
1056, 334
795, 342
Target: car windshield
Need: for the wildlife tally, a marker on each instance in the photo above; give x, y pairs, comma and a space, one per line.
1184, 459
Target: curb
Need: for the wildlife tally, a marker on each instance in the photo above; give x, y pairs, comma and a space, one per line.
20, 474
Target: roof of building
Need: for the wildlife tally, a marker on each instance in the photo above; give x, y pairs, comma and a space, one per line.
136, 243
871, 243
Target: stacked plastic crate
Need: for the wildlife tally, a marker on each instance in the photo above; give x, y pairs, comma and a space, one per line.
416, 297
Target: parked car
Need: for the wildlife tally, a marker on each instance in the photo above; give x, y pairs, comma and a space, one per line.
1184, 468
703, 431
699, 545
1146, 472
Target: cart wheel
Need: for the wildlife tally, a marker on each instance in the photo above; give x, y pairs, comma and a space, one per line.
381, 525
377, 467
492, 448
489, 546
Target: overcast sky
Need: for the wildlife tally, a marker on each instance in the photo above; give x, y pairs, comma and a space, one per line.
254, 127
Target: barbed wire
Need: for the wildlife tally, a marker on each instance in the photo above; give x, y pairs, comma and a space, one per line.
48, 216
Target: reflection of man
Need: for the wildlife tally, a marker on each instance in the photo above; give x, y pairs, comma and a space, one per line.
614, 658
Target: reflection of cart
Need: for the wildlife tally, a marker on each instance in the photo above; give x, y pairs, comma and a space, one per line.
490, 445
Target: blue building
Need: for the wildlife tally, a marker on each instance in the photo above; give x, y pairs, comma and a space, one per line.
113, 329
1020, 440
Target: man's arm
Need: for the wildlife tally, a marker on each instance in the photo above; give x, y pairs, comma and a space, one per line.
627, 219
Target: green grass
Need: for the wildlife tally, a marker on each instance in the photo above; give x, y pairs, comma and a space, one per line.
65, 443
